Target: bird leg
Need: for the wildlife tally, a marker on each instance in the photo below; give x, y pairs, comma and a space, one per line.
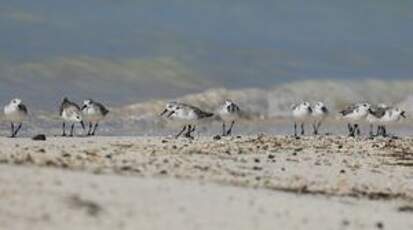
350, 130
384, 131
17, 130
379, 130
12, 129
188, 131
318, 127
229, 132
302, 129
64, 129
315, 132
357, 129
224, 130
371, 131
72, 130
193, 129
89, 132
295, 129
180, 133
94, 129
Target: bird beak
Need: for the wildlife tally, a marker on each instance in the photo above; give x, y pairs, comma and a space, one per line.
170, 114
83, 107
163, 113
82, 124
403, 114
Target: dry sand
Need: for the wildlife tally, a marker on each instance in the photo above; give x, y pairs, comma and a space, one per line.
257, 182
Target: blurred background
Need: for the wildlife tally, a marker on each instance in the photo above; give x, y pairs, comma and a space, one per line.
267, 54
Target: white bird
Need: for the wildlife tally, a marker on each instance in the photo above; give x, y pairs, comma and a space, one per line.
355, 113
383, 116
229, 113
320, 113
16, 112
301, 113
93, 112
188, 114
70, 112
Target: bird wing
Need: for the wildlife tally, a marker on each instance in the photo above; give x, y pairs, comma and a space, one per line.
348, 110
378, 112
23, 108
201, 114
66, 105
102, 108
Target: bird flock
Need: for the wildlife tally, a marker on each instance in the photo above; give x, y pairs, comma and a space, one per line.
379, 115
93, 112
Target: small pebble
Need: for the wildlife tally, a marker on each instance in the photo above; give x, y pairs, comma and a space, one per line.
379, 225
257, 168
40, 137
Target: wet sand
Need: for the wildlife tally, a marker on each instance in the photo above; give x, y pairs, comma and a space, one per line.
251, 182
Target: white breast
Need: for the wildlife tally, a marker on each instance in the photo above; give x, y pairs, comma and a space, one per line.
301, 113
71, 115
13, 114
91, 114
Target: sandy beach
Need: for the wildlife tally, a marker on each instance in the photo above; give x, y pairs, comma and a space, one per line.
248, 182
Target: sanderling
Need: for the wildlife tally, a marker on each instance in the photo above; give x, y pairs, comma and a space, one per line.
320, 112
373, 118
383, 116
70, 112
187, 113
93, 112
301, 113
16, 112
355, 113
229, 112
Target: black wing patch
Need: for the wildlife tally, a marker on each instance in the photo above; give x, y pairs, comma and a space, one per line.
23, 108
102, 108
348, 110
378, 112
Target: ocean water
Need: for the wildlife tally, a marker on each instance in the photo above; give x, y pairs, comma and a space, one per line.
265, 55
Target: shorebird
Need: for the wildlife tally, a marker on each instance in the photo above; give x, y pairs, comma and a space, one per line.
383, 116
355, 113
229, 112
320, 112
16, 112
373, 118
188, 114
93, 112
70, 112
301, 113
